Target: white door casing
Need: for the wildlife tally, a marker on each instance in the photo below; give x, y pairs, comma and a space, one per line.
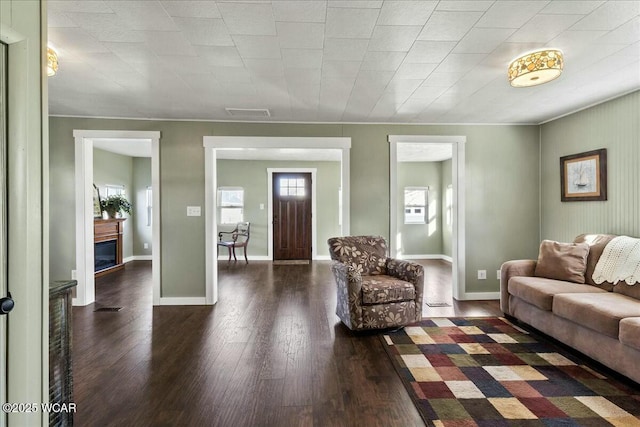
458, 211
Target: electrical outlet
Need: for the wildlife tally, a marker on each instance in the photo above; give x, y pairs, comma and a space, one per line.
498, 274
193, 210
482, 274
146, 246
74, 275
261, 206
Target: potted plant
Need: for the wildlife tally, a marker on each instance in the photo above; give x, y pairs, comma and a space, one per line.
114, 204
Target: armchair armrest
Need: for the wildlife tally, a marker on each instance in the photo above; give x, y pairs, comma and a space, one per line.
349, 282
520, 267
412, 273
232, 233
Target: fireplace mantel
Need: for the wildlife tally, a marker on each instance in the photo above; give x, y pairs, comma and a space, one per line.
109, 230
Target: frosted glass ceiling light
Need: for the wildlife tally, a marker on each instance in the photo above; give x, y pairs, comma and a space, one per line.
52, 62
536, 68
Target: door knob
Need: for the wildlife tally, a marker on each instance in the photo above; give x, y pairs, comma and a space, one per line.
6, 304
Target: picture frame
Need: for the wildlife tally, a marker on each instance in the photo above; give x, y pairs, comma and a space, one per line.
583, 176
97, 205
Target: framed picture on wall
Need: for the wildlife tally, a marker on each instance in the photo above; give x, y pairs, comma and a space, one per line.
97, 209
583, 176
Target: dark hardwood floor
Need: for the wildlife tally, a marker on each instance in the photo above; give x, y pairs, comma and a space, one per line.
271, 352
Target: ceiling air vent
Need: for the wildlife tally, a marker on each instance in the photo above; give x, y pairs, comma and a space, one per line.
248, 112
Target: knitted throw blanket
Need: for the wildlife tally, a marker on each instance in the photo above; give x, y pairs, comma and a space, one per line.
619, 262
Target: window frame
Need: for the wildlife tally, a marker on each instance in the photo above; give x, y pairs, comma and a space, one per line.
227, 208
415, 213
114, 190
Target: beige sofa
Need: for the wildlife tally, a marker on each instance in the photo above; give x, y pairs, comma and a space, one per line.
600, 321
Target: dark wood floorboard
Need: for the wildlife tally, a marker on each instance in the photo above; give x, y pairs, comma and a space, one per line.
271, 352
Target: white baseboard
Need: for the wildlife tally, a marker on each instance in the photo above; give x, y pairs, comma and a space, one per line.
478, 296
427, 256
137, 258
241, 257
76, 303
183, 301
266, 258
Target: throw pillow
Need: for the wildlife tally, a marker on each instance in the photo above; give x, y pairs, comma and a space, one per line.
596, 242
562, 261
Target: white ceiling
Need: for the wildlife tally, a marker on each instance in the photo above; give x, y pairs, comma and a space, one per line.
337, 61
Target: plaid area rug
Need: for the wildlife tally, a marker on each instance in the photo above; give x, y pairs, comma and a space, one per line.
486, 372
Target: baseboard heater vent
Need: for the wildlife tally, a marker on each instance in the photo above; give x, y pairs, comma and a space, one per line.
438, 304
248, 112
108, 309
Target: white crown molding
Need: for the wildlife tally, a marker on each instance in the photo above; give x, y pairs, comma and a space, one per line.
289, 122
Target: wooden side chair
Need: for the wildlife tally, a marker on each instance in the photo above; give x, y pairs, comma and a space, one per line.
239, 238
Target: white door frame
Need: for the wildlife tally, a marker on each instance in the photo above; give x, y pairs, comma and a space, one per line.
23, 27
213, 143
314, 223
86, 292
458, 168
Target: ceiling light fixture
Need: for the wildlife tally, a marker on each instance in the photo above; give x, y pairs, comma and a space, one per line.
536, 68
52, 62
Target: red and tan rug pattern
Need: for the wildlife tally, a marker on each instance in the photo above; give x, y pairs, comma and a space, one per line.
486, 372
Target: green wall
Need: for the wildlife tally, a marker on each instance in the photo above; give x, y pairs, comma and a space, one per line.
420, 239
614, 125
252, 176
116, 169
142, 230
502, 210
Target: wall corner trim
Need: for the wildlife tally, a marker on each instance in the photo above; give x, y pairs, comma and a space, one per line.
183, 301
479, 296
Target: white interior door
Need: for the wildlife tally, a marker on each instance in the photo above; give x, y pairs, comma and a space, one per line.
3, 229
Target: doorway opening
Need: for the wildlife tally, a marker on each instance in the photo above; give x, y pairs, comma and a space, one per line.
422, 206
218, 146
85, 141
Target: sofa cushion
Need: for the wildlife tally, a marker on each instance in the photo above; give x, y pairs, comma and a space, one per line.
381, 289
562, 261
632, 291
596, 242
630, 332
600, 312
539, 291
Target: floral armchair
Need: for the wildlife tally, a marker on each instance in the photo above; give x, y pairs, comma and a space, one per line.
374, 291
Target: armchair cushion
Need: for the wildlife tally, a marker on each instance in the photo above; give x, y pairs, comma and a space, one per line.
380, 289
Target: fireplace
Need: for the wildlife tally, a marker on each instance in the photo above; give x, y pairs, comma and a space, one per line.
107, 237
105, 254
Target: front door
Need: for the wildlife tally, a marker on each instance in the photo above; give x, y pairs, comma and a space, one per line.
3, 229
291, 216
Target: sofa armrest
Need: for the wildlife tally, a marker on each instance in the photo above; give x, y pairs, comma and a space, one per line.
349, 283
520, 267
412, 273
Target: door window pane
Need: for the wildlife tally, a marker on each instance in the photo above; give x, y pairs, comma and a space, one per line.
292, 187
